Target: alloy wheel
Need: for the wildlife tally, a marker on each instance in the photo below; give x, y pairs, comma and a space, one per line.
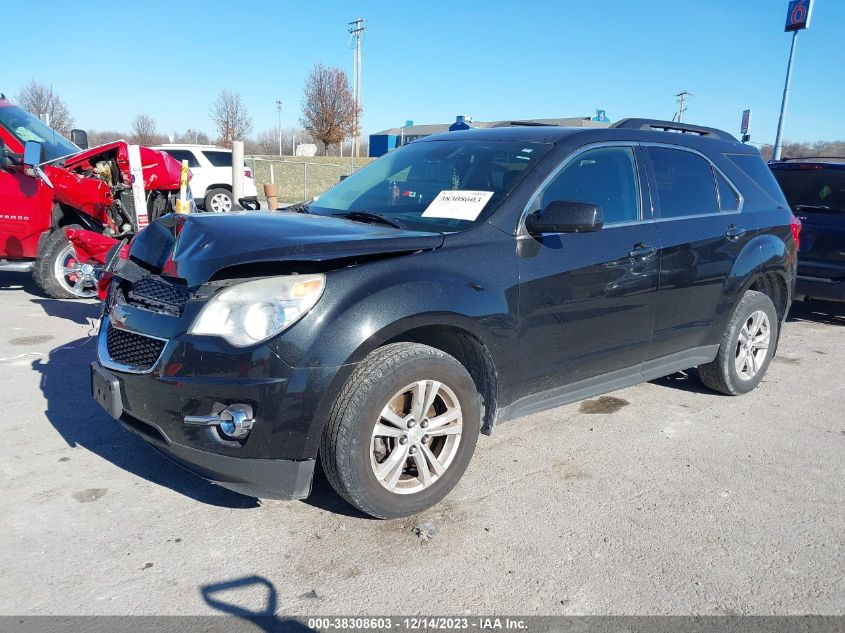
75, 277
221, 203
753, 345
416, 437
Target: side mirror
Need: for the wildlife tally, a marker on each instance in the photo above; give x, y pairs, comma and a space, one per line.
565, 216
79, 138
32, 154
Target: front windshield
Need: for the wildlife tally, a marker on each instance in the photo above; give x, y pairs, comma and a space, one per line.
25, 127
439, 185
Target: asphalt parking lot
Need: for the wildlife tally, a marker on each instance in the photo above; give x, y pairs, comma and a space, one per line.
662, 498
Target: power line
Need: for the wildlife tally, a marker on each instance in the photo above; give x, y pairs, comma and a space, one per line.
681, 97
357, 29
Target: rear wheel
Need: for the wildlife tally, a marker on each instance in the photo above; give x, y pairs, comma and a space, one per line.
402, 432
218, 200
60, 274
746, 349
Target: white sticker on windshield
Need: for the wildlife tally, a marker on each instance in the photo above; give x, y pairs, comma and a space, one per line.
458, 205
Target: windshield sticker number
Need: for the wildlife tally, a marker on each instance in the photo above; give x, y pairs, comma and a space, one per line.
458, 205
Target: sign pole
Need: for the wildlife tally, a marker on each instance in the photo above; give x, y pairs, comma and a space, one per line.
785, 102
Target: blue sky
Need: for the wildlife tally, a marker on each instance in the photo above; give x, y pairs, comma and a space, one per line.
433, 60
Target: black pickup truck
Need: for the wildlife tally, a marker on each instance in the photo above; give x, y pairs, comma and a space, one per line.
815, 189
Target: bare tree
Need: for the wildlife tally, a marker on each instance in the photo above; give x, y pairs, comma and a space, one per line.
192, 136
230, 116
41, 101
144, 130
328, 106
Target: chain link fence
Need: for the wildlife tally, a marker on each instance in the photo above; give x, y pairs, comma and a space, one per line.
300, 178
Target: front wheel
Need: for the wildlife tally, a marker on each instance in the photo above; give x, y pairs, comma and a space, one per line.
402, 431
60, 274
747, 347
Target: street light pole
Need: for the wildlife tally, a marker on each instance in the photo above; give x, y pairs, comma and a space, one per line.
785, 102
279, 105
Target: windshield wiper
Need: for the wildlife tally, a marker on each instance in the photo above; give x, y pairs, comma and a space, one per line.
299, 207
817, 207
368, 216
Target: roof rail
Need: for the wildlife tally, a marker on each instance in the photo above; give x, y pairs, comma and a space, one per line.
672, 126
810, 158
526, 124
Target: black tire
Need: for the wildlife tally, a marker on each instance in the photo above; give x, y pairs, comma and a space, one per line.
209, 195
44, 270
721, 374
346, 446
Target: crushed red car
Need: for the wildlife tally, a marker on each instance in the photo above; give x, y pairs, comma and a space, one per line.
53, 193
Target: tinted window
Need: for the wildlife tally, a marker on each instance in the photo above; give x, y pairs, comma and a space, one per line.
754, 167
813, 189
605, 176
184, 154
685, 184
728, 198
219, 159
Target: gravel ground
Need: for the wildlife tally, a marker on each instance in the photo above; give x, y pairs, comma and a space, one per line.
659, 499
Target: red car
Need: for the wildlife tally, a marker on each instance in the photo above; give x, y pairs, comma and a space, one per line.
49, 185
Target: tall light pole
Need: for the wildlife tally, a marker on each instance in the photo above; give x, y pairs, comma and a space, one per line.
797, 19
357, 28
279, 105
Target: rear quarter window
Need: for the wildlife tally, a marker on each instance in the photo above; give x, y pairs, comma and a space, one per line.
754, 167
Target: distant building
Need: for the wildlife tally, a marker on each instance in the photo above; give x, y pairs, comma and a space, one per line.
386, 140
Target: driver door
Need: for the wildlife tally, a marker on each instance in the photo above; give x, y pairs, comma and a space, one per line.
21, 209
587, 300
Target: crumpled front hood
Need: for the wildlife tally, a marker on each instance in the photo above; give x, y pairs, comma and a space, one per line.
194, 247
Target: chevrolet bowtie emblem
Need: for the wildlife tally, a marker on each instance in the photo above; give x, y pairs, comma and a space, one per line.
118, 316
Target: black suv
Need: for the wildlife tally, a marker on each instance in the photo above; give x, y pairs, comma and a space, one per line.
463, 280
815, 189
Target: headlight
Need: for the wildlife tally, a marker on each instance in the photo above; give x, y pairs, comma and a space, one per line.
253, 311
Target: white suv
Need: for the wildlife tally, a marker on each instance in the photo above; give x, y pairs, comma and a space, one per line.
211, 175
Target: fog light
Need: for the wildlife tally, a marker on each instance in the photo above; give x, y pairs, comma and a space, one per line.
234, 422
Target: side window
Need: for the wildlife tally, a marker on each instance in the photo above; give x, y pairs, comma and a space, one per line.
685, 184
605, 176
184, 154
728, 197
219, 159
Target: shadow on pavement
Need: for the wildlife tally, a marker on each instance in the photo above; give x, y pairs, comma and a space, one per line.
19, 281
76, 310
684, 381
324, 497
65, 383
265, 618
828, 312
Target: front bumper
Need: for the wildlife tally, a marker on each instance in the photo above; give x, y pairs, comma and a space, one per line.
822, 289
197, 376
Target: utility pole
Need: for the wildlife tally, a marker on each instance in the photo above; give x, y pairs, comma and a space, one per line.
279, 105
357, 28
682, 96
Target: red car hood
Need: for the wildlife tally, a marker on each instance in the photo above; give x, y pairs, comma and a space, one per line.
160, 170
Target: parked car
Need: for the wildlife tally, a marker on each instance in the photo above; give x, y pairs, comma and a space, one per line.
48, 185
380, 331
815, 189
211, 175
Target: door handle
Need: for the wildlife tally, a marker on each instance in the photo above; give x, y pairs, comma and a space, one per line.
734, 232
642, 251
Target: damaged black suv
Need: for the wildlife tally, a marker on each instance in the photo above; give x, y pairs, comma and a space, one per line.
463, 280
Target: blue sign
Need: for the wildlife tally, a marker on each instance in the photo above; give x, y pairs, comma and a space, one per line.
798, 15
601, 117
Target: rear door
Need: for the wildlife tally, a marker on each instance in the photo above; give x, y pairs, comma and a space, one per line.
703, 228
816, 194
